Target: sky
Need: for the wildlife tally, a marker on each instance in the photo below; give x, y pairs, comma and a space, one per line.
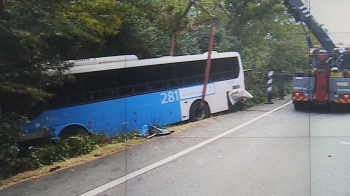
335, 15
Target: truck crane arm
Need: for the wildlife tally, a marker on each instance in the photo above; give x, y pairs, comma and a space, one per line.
302, 14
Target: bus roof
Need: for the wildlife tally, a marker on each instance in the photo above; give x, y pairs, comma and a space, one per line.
108, 64
101, 60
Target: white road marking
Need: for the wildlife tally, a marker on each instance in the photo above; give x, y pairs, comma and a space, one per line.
173, 157
346, 143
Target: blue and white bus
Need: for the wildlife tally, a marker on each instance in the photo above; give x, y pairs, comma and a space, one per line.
115, 95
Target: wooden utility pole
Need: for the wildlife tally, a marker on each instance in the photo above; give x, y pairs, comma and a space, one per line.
210, 44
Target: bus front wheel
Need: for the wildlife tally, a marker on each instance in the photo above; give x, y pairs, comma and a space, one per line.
198, 112
72, 131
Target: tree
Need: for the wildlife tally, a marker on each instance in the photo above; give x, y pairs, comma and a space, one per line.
41, 36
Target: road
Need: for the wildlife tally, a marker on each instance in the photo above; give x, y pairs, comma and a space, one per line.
249, 153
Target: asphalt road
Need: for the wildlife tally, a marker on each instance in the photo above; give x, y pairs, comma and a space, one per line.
284, 152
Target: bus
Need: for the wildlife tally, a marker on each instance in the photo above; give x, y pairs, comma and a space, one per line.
116, 95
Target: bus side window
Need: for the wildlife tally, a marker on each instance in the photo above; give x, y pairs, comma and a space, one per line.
183, 82
235, 66
227, 75
150, 87
173, 83
90, 97
77, 98
167, 85
98, 84
114, 92
138, 89
160, 75
211, 78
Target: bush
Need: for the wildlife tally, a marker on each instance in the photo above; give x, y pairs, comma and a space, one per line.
10, 135
256, 84
10, 167
53, 152
48, 153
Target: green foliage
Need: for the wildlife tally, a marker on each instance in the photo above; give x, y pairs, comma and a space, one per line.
10, 134
256, 85
11, 167
243, 14
140, 34
44, 154
49, 153
67, 29
40, 36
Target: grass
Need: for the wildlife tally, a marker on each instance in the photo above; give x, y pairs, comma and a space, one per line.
98, 153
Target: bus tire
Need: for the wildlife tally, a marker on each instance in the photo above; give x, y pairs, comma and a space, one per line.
197, 112
72, 131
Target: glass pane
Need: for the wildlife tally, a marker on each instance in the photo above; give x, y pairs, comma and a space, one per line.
98, 81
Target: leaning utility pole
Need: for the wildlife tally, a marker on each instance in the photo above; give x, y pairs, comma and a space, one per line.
211, 39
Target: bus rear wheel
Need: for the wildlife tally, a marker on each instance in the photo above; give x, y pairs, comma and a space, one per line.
72, 131
198, 112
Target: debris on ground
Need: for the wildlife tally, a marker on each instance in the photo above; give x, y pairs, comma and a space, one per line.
150, 131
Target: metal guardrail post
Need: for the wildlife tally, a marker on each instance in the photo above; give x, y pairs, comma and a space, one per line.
269, 86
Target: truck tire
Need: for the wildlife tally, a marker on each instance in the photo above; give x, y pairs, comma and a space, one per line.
298, 106
333, 107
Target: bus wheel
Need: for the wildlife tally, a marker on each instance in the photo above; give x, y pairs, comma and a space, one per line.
197, 112
72, 131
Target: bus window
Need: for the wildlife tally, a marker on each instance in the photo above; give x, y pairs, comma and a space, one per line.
34, 111
69, 93
134, 76
191, 72
68, 88
191, 69
90, 97
221, 69
157, 73
235, 67
162, 76
131, 81
99, 84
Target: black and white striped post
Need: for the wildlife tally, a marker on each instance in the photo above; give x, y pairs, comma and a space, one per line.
269, 86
